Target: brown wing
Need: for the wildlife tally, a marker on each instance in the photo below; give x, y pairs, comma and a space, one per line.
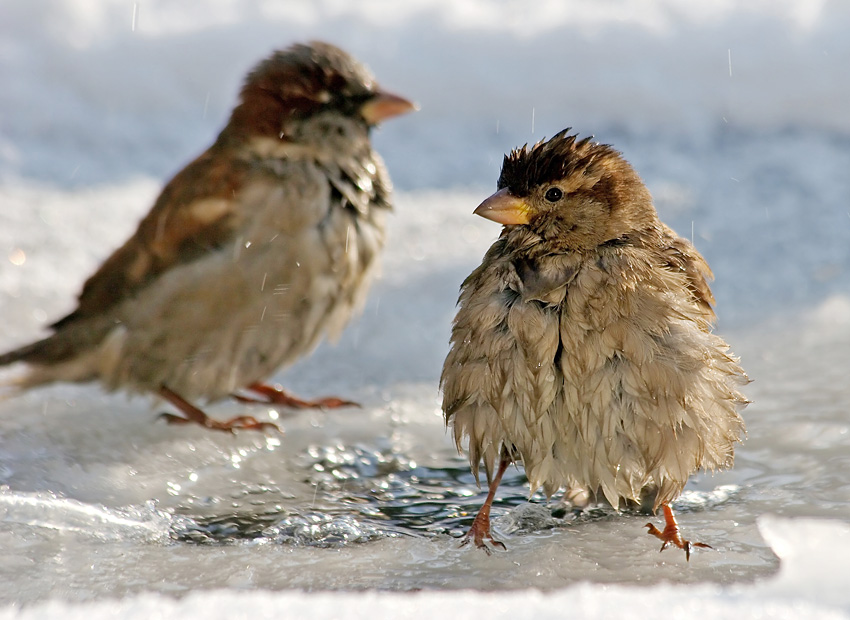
683, 256
195, 213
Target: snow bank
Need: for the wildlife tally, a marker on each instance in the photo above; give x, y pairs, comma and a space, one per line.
99, 91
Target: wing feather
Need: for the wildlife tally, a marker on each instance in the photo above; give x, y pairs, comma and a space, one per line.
194, 214
682, 256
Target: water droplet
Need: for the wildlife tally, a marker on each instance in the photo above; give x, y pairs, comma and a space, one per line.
17, 257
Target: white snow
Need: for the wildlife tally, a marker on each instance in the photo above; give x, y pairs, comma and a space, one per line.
734, 113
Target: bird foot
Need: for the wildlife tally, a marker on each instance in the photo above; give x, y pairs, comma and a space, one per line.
242, 422
672, 535
273, 395
194, 415
479, 533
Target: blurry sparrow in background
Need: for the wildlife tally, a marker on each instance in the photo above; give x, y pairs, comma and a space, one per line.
250, 255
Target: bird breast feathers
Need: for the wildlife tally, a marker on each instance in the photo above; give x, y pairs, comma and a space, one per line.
618, 343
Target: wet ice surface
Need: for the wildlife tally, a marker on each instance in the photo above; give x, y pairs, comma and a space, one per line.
314, 511
268, 525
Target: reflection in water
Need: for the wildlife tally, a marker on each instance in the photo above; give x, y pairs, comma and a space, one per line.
367, 494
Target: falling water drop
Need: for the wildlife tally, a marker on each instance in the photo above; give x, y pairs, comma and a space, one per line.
17, 257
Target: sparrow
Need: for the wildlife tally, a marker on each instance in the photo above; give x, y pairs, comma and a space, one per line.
582, 347
251, 254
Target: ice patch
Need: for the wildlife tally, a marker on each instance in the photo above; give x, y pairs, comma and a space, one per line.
50, 511
814, 554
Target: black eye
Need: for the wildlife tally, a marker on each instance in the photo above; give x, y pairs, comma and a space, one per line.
554, 194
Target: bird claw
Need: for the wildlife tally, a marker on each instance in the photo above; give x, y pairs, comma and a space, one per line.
498, 544
243, 422
273, 395
194, 415
479, 533
671, 535
248, 422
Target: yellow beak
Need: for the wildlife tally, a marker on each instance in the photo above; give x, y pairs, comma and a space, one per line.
385, 105
504, 208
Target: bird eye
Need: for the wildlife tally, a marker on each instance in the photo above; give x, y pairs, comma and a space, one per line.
553, 194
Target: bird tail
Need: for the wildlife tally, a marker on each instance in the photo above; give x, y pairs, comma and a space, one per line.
27, 353
68, 355
12, 386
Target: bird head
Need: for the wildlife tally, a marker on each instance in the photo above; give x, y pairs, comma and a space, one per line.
305, 80
574, 194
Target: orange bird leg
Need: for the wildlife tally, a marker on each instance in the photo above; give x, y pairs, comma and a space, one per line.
480, 530
196, 416
274, 395
672, 535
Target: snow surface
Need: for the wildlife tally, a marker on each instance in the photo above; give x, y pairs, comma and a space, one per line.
734, 113
804, 589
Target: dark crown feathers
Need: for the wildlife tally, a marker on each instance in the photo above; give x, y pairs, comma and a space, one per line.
551, 160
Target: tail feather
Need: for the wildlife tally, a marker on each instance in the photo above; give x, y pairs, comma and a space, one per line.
14, 385
28, 353
71, 354
64, 345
